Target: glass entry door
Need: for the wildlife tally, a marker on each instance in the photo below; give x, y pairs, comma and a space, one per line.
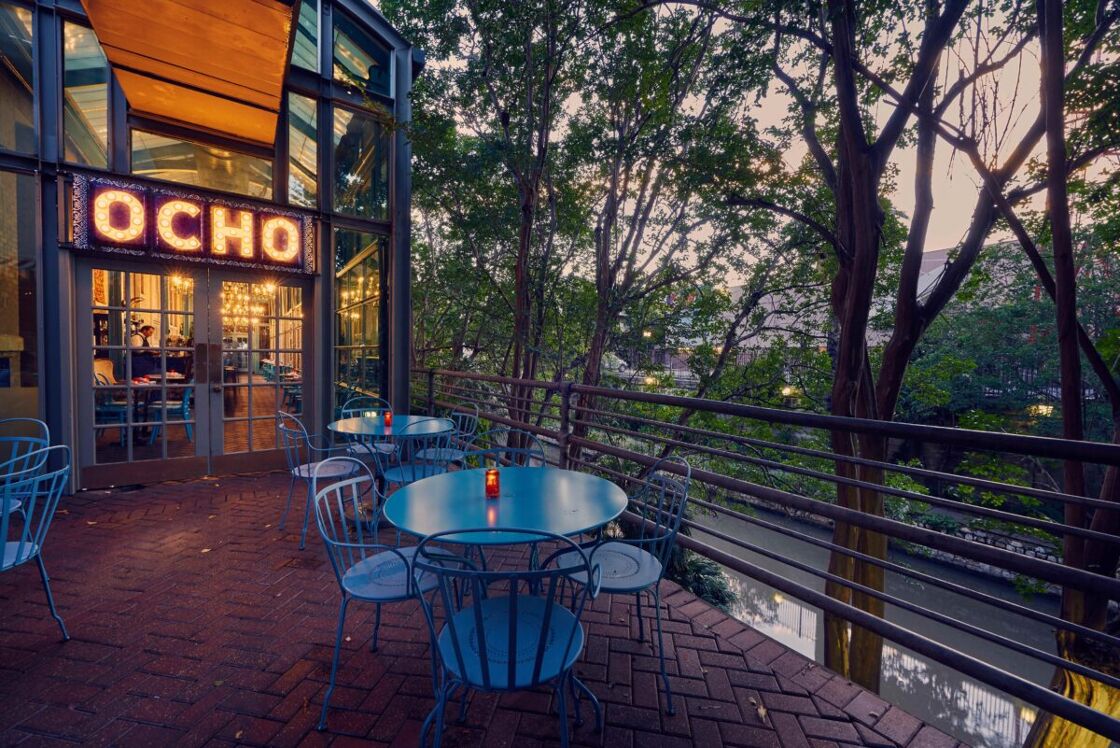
181, 373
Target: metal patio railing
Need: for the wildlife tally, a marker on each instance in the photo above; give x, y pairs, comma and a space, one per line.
748, 457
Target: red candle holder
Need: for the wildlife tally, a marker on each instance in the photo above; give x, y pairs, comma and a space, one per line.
388, 418
493, 485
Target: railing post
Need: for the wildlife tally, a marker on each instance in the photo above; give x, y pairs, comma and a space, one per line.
565, 428
431, 392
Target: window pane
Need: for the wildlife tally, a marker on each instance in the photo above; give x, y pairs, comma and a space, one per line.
207, 166
360, 61
19, 367
361, 165
305, 52
358, 314
303, 151
17, 80
86, 97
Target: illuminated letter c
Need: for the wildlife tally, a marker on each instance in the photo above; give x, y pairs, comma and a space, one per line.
165, 224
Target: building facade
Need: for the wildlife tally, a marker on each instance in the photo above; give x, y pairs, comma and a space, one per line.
204, 219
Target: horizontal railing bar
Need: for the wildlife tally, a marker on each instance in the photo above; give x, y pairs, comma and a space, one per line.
968, 480
981, 597
992, 441
1036, 567
532, 383
941, 618
1041, 697
1056, 528
493, 417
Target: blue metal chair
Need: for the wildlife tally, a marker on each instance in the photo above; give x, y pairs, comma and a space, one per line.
637, 565
182, 408
503, 446
20, 437
303, 457
416, 440
348, 514
31, 499
367, 406
109, 409
472, 643
466, 427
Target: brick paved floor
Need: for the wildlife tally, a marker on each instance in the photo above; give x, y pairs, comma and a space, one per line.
195, 621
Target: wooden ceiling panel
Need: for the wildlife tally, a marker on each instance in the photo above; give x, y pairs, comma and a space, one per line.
214, 64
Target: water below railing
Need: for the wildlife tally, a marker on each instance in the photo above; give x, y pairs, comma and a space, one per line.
961, 706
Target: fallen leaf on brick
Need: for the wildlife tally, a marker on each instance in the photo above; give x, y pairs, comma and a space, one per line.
237, 735
212, 516
348, 638
761, 710
269, 525
90, 523
206, 550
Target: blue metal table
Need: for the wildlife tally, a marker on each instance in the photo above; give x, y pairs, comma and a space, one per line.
564, 502
374, 426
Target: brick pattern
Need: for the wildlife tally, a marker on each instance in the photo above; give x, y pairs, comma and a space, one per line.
195, 621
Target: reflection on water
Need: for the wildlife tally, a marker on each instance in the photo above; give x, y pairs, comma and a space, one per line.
969, 710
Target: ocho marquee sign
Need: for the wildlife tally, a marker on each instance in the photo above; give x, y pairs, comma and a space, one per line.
165, 223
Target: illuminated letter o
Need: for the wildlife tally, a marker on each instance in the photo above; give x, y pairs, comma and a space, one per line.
102, 215
271, 247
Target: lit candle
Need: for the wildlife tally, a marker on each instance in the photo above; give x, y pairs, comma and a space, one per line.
492, 486
388, 418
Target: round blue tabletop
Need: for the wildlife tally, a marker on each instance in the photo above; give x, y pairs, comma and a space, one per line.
375, 426
564, 502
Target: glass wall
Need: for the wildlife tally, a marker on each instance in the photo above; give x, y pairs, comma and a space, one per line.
85, 100
17, 80
208, 166
360, 61
305, 49
361, 164
19, 338
303, 151
358, 313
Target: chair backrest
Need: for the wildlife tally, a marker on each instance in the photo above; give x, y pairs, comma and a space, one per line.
19, 438
424, 450
103, 367
661, 499
347, 540
504, 446
365, 405
34, 497
504, 629
465, 418
293, 439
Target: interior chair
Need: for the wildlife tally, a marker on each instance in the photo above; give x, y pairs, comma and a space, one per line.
172, 412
